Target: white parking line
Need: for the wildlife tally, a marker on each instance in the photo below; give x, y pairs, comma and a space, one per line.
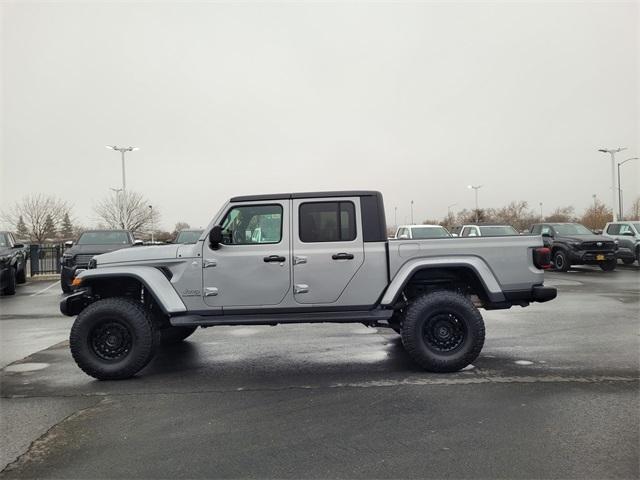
44, 289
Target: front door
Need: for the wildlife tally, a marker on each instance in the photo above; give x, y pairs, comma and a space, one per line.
252, 265
328, 248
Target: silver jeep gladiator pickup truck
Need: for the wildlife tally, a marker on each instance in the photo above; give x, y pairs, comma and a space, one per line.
301, 258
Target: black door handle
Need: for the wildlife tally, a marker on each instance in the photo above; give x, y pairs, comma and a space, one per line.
274, 258
342, 256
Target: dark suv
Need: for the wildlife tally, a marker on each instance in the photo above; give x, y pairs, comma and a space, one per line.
90, 243
575, 244
12, 263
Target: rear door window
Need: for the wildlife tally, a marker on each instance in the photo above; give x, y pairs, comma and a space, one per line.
327, 222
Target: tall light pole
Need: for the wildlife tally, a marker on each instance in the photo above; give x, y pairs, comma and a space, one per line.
540, 211
612, 152
411, 212
476, 188
395, 216
122, 151
621, 211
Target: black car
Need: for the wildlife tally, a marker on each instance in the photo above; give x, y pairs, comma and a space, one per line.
12, 263
574, 244
91, 243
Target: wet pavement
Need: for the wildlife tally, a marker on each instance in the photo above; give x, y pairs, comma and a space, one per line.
554, 394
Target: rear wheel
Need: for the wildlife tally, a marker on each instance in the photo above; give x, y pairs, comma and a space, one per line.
10, 288
628, 261
21, 275
113, 339
609, 265
560, 261
171, 335
443, 331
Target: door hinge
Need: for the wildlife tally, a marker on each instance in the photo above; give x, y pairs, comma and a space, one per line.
300, 288
210, 292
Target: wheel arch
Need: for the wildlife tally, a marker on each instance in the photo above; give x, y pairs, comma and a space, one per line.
471, 269
114, 280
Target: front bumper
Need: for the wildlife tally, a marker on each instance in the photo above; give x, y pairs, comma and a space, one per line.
75, 302
577, 257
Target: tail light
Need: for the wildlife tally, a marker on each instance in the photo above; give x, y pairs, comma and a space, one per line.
542, 258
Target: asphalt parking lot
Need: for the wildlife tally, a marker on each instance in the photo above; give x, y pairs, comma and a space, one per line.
554, 394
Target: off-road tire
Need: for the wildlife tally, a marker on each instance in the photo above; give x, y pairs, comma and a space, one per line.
420, 316
10, 288
628, 261
171, 335
141, 337
560, 261
21, 275
609, 265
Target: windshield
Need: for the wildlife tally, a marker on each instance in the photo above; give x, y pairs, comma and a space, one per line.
571, 229
429, 232
4, 242
104, 238
636, 225
188, 236
498, 231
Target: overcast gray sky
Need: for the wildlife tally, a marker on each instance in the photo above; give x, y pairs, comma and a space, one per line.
416, 99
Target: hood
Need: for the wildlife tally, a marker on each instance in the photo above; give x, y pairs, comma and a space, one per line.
93, 249
139, 254
586, 238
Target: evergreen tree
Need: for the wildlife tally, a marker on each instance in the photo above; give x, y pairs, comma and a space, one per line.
21, 229
49, 227
67, 227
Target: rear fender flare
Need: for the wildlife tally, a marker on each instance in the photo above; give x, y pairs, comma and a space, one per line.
477, 265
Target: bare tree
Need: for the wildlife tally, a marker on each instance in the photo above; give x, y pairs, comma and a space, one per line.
180, 226
596, 216
561, 214
634, 212
40, 214
128, 211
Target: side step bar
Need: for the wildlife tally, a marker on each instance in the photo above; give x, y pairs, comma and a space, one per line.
367, 317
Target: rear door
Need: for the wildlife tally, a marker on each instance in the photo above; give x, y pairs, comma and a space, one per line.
252, 265
328, 247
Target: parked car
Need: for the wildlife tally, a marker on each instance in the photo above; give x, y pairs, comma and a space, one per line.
90, 243
627, 233
574, 244
488, 230
188, 236
301, 258
419, 232
13, 263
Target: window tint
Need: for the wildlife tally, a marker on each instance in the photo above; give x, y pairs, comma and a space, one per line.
613, 229
498, 230
546, 230
625, 229
327, 222
429, 232
536, 229
4, 240
252, 224
104, 238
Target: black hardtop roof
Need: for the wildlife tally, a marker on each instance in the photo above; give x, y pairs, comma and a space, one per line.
284, 196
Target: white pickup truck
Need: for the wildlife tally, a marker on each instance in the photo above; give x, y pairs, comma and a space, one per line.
301, 258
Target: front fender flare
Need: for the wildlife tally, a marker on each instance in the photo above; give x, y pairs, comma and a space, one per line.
153, 280
476, 264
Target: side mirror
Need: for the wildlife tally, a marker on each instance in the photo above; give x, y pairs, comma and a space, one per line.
137, 243
68, 243
546, 234
215, 237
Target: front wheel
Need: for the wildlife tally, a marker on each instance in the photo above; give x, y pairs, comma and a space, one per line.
443, 331
113, 339
21, 275
628, 261
560, 261
609, 265
10, 288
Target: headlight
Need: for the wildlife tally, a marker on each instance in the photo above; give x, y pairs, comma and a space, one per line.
575, 245
5, 258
